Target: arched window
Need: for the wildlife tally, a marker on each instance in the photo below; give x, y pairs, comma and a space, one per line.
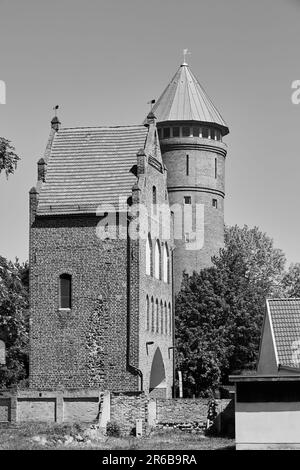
166, 263
152, 315
148, 255
170, 319
166, 319
154, 199
157, 263
65, 291
148, 314
157, 317
161, 318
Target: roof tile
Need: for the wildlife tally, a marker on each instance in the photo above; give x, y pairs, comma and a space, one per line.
89, 166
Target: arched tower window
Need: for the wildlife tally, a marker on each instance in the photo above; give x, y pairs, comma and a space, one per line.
148, 314
166, 263
161, 318
166, 319
152, 315
65, 291
157, 263
170, 319
149, 256
154, 199
157, 317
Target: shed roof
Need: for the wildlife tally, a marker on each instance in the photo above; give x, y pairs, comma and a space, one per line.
89, 166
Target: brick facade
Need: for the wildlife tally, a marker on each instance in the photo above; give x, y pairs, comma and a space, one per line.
101, 341
203, 181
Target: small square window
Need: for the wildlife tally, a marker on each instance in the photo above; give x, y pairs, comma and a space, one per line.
176, 131
196, 131
166, 132
185, 132
187, 200
215, 203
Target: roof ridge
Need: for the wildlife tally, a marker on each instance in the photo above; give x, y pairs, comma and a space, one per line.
140, 126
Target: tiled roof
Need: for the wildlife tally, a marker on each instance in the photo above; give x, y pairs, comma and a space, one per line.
88, 166
285, 321
184, 99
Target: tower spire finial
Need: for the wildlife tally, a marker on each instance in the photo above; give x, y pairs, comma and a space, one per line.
185, 53
55, 109
55, 123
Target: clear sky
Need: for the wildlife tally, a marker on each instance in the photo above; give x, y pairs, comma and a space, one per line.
102, 60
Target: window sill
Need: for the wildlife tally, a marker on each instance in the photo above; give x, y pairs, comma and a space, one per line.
64, 309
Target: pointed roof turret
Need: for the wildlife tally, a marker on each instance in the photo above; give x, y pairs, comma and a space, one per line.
184, 99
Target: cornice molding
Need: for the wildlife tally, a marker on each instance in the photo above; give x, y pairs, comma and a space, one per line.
200, 189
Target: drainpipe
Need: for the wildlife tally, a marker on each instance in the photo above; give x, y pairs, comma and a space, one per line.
173, 322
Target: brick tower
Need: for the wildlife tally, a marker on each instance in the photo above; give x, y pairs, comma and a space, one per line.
191, 131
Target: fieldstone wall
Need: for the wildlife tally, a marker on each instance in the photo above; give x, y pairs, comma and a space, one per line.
126, 409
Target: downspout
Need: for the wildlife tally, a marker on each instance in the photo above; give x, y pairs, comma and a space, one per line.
173, 322
132, 369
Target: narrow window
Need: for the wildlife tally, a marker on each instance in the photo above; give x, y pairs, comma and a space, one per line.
157, 317
205, 133
161, 318
152, 315
216, 168
215, 203
187, 199
166, 131
166, 264
154, 199
166, 319
212, 134
187, 165
148, 255
176, 131
196, 131
157, 262
65, 290
170, 319
148, 313
185, 132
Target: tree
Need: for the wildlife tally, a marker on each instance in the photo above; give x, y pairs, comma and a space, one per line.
291, 281
14, 321
202, 345
8, 157
219, 311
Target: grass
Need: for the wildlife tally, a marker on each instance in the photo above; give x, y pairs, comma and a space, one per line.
37, 436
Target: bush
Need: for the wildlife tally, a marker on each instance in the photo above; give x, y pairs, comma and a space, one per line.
113, 429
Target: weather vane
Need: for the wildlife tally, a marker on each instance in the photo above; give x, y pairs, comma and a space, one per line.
185, 53
55, 109
151, 104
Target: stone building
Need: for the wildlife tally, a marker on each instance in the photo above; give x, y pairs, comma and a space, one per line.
105, 255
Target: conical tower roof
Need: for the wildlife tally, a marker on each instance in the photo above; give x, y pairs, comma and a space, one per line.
184, 99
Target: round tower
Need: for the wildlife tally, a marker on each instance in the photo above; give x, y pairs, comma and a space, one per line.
191, 130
